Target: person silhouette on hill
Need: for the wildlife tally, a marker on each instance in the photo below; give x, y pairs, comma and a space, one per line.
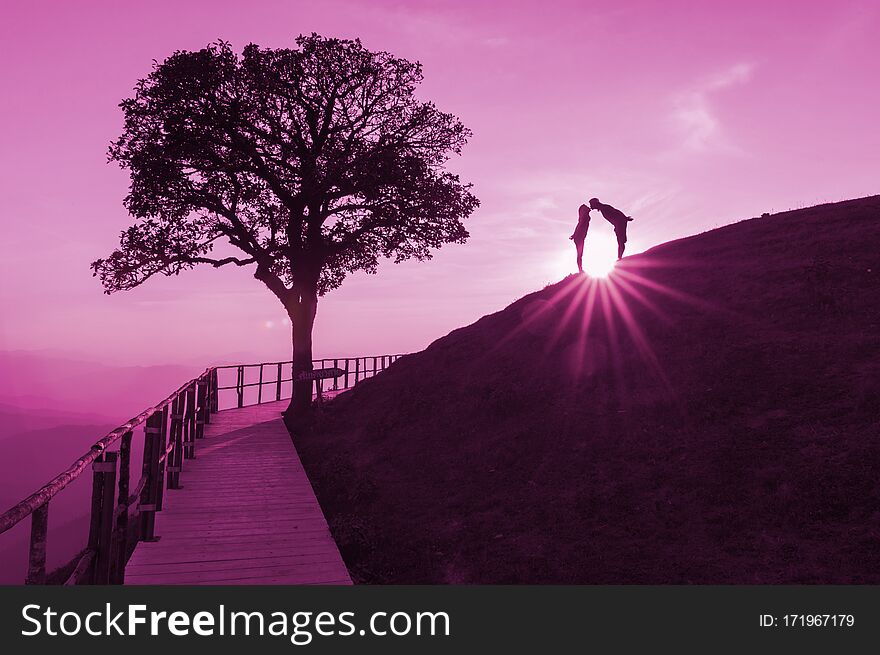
617, 218
580, 234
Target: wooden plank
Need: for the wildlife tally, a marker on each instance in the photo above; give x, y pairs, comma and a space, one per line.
294, 519
179, 532
246, 509
188, 579
295, 573
231, 542
316, 560
207, 553
246, 514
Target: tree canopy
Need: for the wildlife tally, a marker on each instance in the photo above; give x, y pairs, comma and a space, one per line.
314, 162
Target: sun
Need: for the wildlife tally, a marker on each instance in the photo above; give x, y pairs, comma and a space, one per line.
600, 257
600, 254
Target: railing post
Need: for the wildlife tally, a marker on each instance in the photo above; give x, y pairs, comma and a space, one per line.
209, 399
346, 373
163, 449
95, 519
189, 450
215, 403
278, 383
120, 532
104, 472
336, 379
149, 494
207, 396
175, 458
37, 555
201, 408
260, 387
357, 369
240, 386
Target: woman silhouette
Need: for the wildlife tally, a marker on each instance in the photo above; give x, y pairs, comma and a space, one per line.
580, 234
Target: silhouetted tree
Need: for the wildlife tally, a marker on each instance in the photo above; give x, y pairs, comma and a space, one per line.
312, 162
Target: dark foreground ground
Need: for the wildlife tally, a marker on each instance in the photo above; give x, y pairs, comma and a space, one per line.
711, 414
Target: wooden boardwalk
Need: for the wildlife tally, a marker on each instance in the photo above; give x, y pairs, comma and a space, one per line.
246, 513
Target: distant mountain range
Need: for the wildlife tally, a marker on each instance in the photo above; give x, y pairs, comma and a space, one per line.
52, 384
52, 409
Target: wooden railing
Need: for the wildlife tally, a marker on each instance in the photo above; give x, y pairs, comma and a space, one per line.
270, 376
121, 516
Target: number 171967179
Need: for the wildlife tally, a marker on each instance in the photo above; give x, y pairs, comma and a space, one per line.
818, 620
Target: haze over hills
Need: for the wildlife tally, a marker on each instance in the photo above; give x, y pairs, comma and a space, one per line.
53, 407
34, 380
708, 414
30, 459
15, 419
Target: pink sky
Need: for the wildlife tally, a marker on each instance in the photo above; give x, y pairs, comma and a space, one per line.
684, 114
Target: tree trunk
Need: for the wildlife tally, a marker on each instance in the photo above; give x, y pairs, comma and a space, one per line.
302, 318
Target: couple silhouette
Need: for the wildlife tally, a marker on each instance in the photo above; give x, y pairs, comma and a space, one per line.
611, 214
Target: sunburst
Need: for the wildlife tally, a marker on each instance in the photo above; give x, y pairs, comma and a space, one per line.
622, 299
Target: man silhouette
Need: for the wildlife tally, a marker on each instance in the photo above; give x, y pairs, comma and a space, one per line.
580, 234
617, 218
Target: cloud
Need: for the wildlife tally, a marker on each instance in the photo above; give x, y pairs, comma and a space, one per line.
440, 26
737, 74
693, 114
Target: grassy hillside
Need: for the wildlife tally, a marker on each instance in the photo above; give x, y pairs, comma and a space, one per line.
708, 414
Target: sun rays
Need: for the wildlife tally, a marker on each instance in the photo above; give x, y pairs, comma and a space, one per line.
602, 322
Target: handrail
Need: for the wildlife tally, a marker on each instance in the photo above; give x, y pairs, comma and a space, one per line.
288, 361
171, 428
12, 516
380, 363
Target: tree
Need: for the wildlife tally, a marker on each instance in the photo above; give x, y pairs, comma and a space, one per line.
311, 162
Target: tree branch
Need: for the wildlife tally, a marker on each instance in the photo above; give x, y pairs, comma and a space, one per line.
217, 263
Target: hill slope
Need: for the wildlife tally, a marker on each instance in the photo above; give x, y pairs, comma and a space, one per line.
709, 414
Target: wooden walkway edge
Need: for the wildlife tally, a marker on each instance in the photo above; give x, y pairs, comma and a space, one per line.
246, 514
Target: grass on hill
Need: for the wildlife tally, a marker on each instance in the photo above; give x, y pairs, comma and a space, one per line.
709, 414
